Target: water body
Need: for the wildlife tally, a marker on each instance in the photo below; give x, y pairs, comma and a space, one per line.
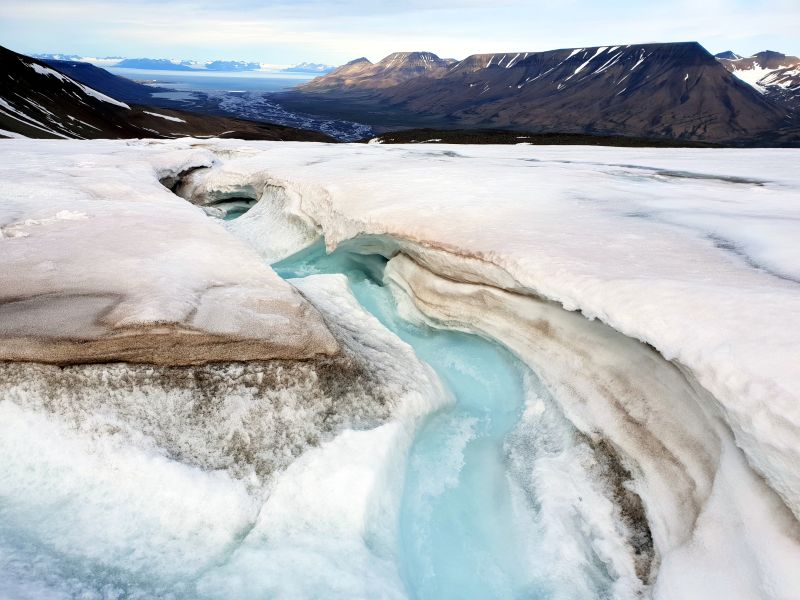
212, 81
459, 537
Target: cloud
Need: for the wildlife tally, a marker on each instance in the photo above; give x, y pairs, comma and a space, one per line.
287, 31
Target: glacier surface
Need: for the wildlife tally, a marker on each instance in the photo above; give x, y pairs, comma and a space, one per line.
650, 295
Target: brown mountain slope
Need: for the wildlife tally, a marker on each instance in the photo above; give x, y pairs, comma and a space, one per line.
392, 70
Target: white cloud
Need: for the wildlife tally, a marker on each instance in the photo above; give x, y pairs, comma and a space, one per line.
285, 31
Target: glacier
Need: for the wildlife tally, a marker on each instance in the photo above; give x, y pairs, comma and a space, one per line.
570, 372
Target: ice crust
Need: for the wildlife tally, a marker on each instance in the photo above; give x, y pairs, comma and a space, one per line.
672, 372
101, 262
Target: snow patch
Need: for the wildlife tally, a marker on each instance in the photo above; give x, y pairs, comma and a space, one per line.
167, 117
42, 70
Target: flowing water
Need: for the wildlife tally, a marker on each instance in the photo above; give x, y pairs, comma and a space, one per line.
459, 537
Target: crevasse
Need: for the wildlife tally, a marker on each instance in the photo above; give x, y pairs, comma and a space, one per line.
467, 526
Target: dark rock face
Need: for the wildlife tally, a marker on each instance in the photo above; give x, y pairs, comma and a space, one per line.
676, 91
39, 101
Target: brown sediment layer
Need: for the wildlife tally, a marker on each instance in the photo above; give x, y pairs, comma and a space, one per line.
247, 418
165, 345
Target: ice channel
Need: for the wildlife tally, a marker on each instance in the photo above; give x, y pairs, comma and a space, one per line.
459, 534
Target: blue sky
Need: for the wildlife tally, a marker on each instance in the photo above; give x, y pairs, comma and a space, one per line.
287, 32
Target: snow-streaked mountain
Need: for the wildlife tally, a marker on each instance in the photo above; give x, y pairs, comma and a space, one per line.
728, 54
38, 101
174, 64
232, 65
153, 64
309, 67
675, 90
104, 61
774, 74
164, 64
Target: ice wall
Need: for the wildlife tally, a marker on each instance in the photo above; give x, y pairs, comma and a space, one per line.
680, 486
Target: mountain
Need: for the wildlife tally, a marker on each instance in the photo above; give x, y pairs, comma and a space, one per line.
307, 67
162, 64
97, 61
728, 54
232, 65
362, 74
40, 102
104, 81
674, 90
153, 64
773, 74
74, 57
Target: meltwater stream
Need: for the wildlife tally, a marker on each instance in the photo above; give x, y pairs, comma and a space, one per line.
458, 537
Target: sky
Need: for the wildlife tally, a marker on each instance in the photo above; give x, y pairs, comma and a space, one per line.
334, 32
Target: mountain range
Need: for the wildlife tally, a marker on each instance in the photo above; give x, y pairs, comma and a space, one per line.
670, 90
662, 92
165, 64
309, 67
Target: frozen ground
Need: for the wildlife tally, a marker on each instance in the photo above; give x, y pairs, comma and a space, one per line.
653, 292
